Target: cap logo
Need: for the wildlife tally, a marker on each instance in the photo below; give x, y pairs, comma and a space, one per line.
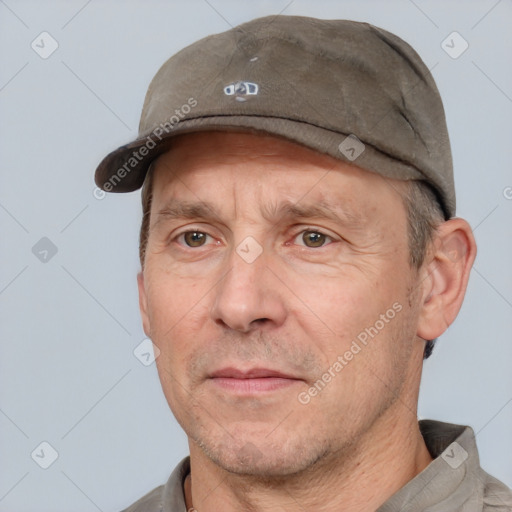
241, 89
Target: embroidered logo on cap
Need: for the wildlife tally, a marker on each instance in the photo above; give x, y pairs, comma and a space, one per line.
241, 90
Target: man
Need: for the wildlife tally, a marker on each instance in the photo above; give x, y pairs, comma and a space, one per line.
300, 256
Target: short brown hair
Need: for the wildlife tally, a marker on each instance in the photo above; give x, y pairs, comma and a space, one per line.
424, 215
146, 197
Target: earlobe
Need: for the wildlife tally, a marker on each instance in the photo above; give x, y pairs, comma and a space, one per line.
445, 277
143, 304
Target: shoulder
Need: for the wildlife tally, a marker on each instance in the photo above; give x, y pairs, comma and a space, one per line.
497, 496
151, 502
168, 497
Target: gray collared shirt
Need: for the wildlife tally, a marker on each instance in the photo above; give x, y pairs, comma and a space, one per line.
453, 481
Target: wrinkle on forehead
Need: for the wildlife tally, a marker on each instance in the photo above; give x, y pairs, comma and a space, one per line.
239, 148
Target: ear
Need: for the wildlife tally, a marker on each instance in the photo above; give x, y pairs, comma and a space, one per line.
445, 276
143, 304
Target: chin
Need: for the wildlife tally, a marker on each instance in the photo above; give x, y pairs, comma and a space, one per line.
260, 458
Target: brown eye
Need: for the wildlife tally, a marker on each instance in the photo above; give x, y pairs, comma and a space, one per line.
194, 238
313, 239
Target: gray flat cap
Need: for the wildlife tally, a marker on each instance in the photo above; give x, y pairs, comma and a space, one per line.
344, 88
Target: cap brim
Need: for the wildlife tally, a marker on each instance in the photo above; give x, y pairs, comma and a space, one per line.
124, 169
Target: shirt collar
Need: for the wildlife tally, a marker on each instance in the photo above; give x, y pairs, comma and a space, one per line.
451, 481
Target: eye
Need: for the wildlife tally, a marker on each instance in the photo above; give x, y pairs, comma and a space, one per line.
193, 238
312, 239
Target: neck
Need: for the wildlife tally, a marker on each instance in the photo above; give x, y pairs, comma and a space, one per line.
361, 479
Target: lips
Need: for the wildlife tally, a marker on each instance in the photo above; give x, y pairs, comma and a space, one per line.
253, 381
254, 373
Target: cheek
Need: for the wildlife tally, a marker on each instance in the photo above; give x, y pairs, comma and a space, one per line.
175, 305
345, 306
178, 311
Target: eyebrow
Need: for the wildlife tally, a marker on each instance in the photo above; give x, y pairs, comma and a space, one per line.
176, 209
321, 209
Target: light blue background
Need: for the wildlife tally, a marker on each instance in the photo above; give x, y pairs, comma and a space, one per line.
68, 375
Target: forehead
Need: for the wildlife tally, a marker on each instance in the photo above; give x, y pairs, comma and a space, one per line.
266, 169
197, 149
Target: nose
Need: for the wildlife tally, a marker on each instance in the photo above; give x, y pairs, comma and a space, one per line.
249, 296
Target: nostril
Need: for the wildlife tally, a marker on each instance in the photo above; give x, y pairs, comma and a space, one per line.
239, 327
259, 322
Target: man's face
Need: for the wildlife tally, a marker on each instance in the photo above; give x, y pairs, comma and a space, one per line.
278, 290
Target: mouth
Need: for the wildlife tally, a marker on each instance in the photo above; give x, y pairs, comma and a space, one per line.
252, 381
